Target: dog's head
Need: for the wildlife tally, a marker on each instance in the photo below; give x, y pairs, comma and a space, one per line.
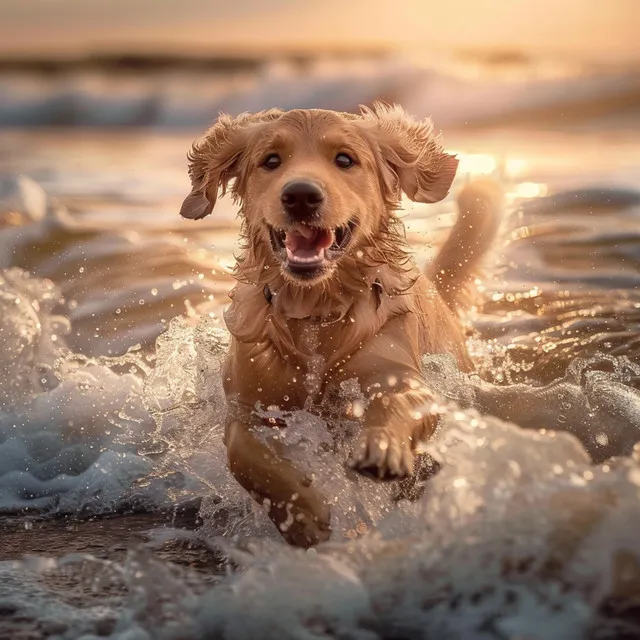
317, 185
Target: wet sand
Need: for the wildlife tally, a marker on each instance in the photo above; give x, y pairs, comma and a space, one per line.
107, 548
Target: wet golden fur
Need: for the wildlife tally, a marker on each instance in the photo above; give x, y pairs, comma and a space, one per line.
370, 316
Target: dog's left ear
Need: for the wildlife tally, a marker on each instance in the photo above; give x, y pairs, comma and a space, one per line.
412, 152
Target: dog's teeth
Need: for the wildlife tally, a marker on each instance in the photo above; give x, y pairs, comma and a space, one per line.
306, 232
308, 259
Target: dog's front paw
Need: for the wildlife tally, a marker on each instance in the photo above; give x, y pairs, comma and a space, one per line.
382, 454
304, 520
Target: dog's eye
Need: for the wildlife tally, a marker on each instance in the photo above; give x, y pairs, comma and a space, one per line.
272, 161
344, 161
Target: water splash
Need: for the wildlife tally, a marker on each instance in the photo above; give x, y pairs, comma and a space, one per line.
519, 533
63, 418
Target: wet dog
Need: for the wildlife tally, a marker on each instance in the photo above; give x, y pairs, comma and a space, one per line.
327, 290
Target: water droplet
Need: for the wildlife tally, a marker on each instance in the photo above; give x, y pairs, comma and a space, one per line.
577, 480
515, 468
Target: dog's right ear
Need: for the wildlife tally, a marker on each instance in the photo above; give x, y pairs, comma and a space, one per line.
215, 159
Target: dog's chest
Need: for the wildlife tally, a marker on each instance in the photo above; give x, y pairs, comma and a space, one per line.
265, 374
288, 359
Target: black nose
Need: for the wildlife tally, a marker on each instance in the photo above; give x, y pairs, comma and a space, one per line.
301, 198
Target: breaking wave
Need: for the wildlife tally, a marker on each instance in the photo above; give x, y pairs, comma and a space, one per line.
191, 98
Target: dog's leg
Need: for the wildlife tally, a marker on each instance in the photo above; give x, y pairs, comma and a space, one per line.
396, 419
398, 413
298, 510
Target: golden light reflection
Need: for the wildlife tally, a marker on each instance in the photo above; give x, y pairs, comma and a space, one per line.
514, 167
484, 164
521, 233
474, 164
530, 190
499, 296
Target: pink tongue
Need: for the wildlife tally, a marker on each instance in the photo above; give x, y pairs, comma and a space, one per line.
307, 239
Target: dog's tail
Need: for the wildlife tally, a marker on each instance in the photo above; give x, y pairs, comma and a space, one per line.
459, 261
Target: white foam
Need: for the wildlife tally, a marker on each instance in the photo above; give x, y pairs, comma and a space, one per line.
518, 535
70, 429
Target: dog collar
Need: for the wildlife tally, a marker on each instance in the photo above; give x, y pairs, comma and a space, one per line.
376, 288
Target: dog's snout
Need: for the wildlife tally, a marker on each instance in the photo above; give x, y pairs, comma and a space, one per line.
302, 198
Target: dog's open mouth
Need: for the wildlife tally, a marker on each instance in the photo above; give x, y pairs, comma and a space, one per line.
307, 250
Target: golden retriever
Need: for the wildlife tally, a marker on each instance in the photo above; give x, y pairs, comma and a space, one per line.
327, 290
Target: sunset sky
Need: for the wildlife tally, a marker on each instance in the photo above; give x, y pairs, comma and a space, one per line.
601, 29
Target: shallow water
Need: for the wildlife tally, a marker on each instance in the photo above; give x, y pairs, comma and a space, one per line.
113, 481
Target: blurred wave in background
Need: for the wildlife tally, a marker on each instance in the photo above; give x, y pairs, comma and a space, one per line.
175, 64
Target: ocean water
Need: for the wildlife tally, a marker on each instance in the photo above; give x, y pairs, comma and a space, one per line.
118, 515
